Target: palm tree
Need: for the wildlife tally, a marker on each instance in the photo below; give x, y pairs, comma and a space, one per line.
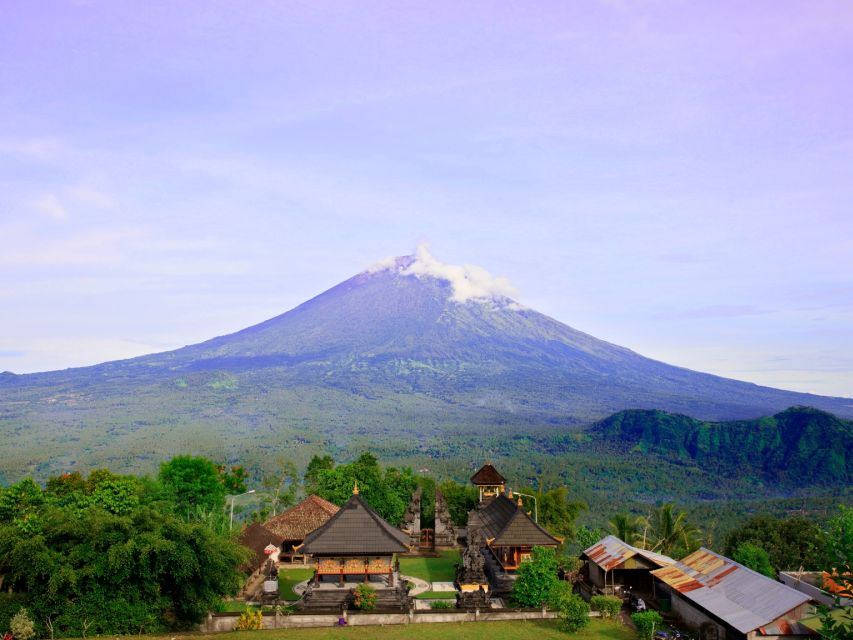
671, 534
628, 528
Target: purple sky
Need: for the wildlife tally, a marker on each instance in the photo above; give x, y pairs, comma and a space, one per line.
675, 177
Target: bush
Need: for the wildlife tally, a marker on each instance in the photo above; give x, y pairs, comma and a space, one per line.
537, 580
21, 626
365, 597
250, 620
10, 604
572, 610
646, 623
608, 606
442, 604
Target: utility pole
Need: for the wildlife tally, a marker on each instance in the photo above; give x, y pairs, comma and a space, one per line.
231, 521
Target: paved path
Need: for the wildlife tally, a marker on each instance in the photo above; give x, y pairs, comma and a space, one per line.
420, 585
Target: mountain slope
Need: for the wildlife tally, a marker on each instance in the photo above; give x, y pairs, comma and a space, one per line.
798, 446
410, 351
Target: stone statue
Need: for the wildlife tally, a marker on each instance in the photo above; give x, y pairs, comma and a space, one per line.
445, 534
471, 578
412, 519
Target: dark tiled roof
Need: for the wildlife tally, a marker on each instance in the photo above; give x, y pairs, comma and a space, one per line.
506, 524
488, 475
300, 520
356, 529
256, 537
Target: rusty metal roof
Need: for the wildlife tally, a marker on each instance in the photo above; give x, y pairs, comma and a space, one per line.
739, 596
610, 552
787, 628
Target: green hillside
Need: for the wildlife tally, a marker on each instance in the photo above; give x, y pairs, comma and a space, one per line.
799, 446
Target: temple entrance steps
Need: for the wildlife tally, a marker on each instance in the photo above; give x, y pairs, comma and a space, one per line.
334, 599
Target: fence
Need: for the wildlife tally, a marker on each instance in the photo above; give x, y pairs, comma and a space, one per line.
227, 621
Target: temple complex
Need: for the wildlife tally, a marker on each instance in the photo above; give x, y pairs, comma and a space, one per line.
355, 546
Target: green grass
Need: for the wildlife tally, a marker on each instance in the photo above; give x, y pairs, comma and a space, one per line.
440, 569
514, 630
289, 578
436, 595
237, 606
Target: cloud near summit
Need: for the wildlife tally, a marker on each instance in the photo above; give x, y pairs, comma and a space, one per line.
468, 281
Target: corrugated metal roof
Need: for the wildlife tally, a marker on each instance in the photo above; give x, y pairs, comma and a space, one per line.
608, 553
739, 596
787, 628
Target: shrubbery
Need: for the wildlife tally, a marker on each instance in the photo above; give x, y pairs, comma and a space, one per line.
647, 622
442, 604
250, 620
537, 581
608, 606
572, 610
22, 626
365, 597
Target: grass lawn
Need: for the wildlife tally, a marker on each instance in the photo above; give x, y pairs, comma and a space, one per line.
288, 578
514, 630
440, 569
436, 595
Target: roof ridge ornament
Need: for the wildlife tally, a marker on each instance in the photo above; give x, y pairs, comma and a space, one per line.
355, 489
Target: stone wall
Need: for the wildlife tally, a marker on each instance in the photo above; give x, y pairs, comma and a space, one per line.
227, 621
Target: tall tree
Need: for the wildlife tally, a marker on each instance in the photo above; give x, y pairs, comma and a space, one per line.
281, 485
791, 543
194, 484
628, 528
557, 512
312, 473
671, 534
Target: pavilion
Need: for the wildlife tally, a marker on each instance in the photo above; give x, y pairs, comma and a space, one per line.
355, 546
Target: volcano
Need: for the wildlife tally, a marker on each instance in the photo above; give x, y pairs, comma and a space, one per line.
406, 350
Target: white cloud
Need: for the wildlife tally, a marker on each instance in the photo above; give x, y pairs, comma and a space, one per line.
50, 206
469, 282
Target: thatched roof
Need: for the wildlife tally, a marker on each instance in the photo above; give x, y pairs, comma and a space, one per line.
300, 520
506, 524
488, 475
356, 530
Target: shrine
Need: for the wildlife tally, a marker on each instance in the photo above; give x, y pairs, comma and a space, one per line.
355, 546
509, 532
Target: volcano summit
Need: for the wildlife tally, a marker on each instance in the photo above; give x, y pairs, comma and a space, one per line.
408, 349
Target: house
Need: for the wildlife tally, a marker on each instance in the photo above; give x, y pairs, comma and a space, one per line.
613, 565
724, 600
355, 546
507, 528
293, 525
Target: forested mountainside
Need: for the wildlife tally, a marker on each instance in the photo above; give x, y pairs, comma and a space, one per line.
799, 446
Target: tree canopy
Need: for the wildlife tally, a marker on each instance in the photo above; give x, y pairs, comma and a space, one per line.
112, 555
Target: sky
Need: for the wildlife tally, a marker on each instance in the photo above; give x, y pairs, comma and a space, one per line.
674, 177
